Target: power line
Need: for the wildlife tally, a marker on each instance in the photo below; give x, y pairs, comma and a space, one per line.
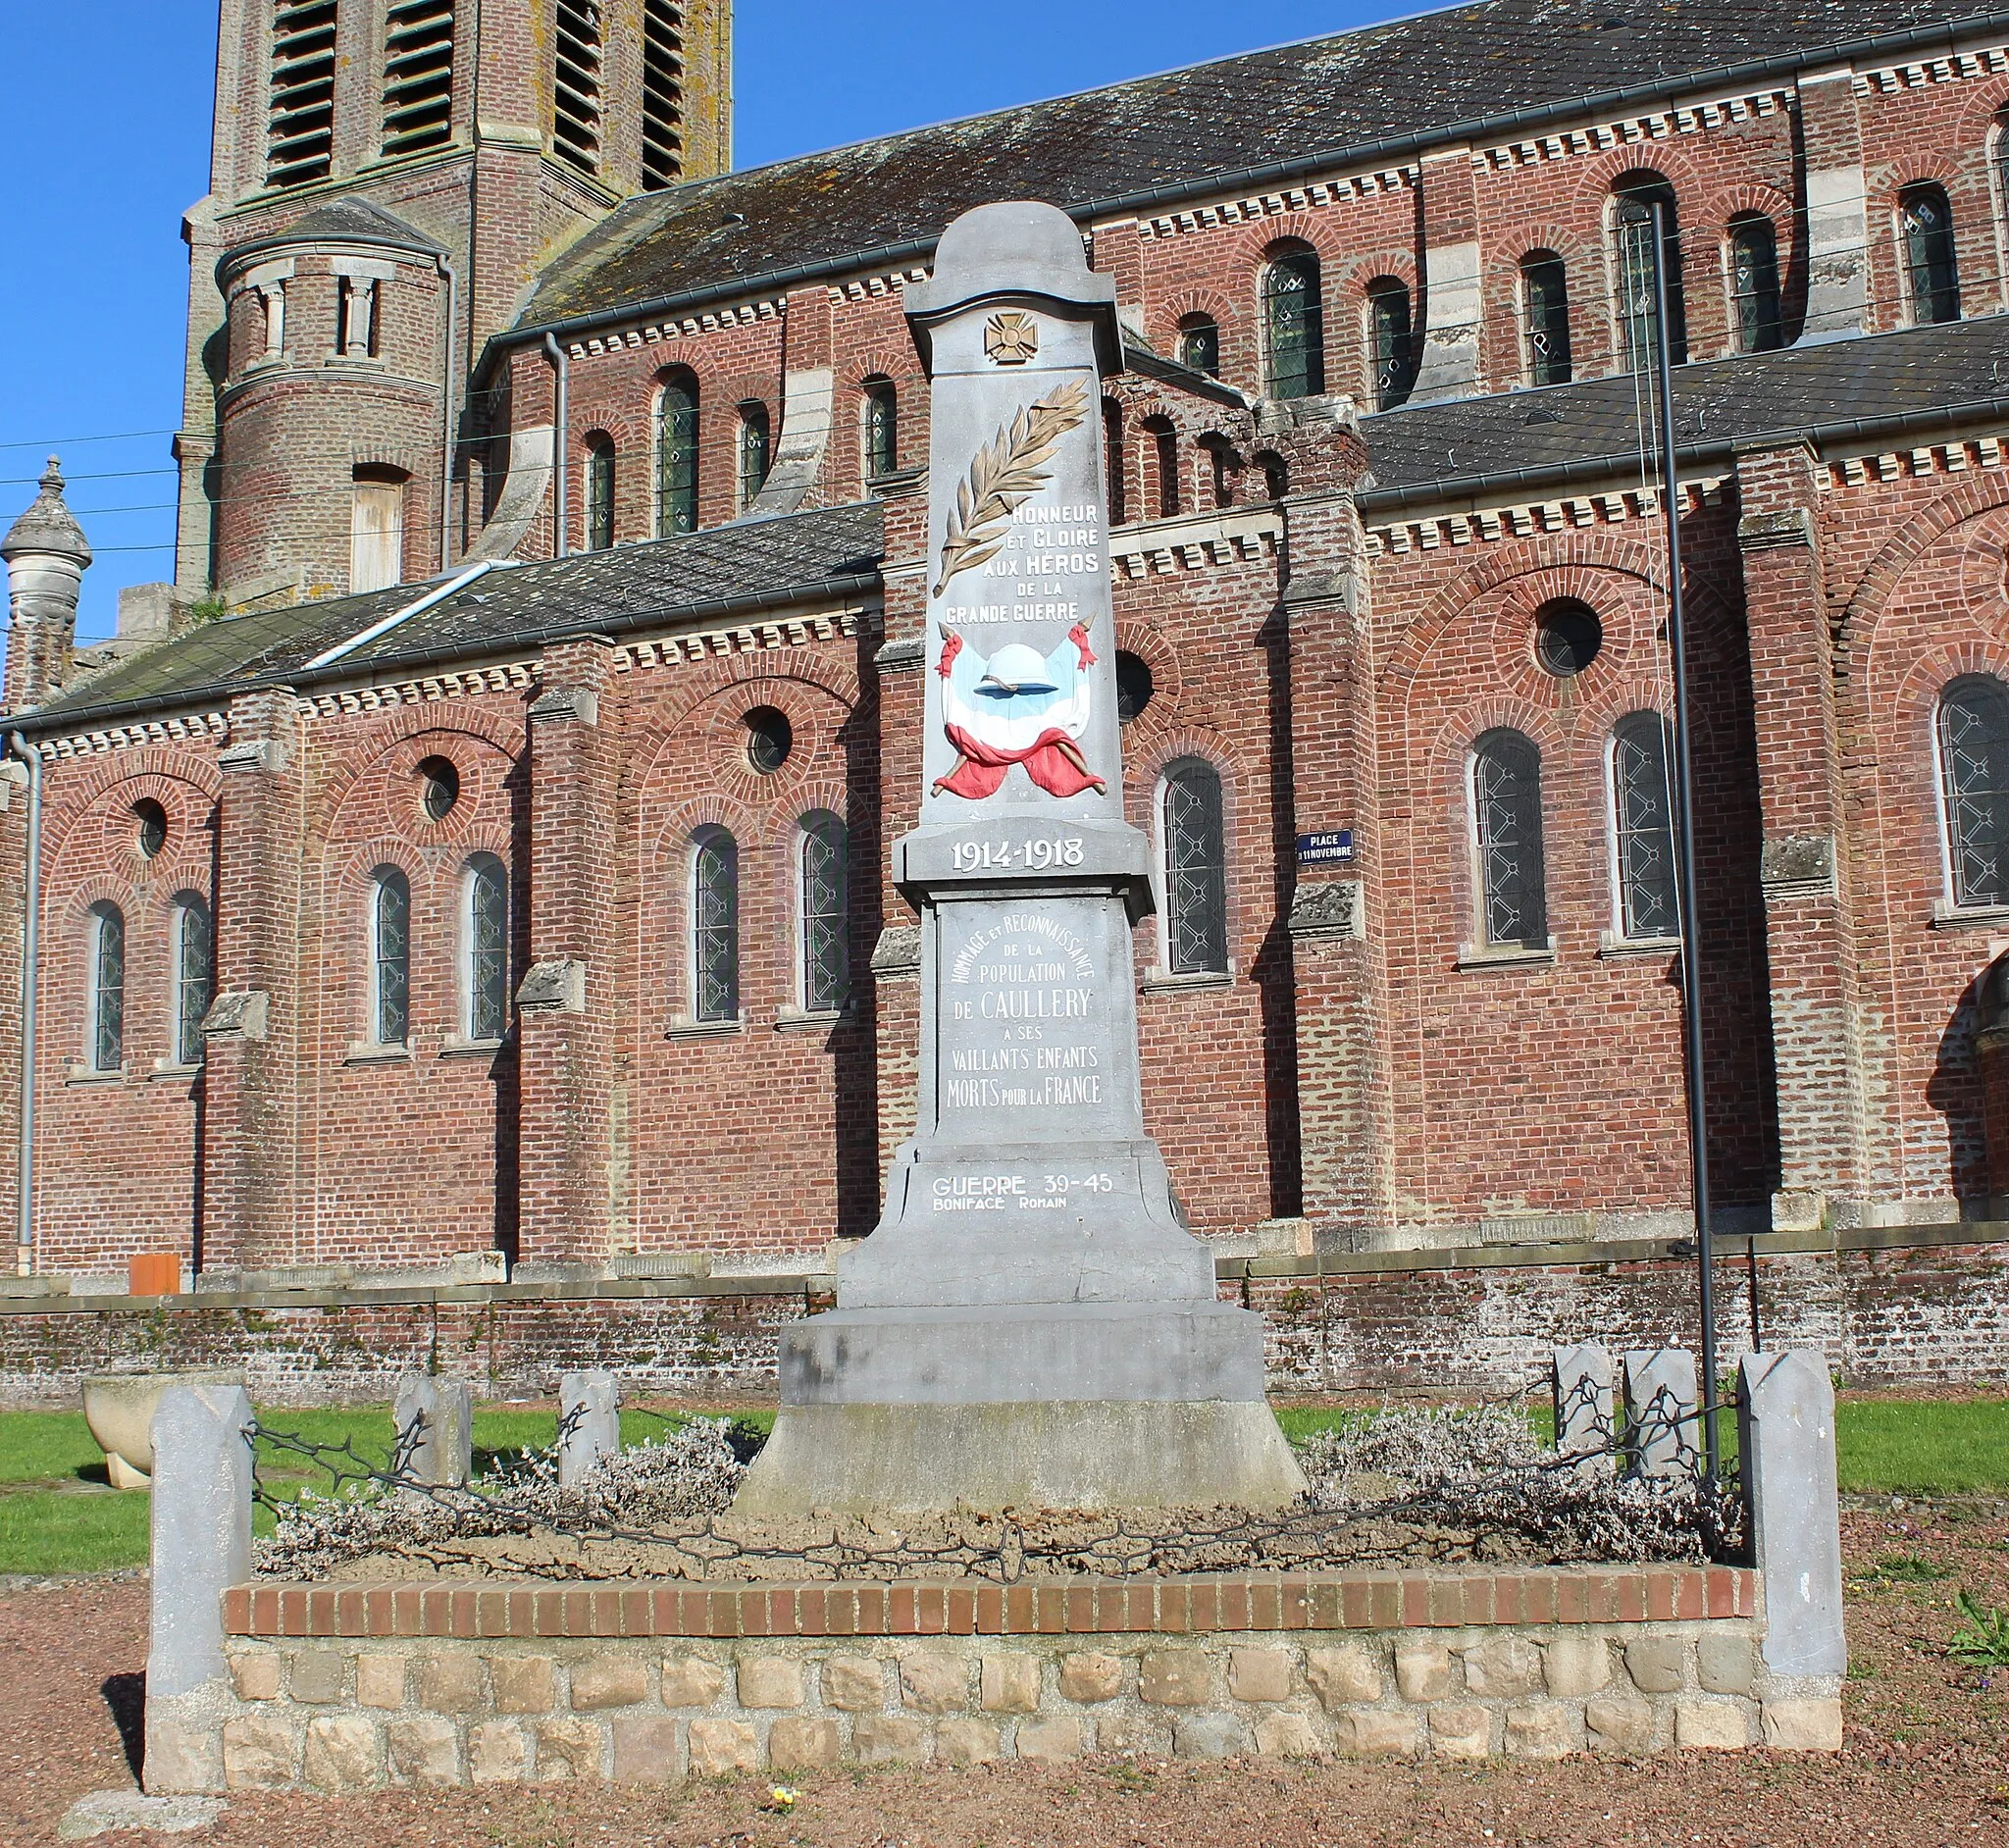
70, 443
111, 474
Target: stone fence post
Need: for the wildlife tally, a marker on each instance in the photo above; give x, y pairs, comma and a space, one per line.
201, 1545
1660, 1413
591, 1403
1785, 1426
1586, 1425
442, 1458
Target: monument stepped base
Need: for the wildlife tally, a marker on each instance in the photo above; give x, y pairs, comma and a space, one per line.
1181, 1353
1061, 1454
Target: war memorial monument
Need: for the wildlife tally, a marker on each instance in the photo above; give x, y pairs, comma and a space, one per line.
1031, 1323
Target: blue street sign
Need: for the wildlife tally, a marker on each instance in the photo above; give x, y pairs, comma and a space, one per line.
1321, 849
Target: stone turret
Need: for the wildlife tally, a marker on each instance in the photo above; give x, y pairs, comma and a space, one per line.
46, 556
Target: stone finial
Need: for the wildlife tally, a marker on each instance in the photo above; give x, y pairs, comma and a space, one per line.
48, 526
46, 556
1013, 247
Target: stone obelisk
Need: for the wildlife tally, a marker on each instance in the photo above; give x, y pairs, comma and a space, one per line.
1030, 1324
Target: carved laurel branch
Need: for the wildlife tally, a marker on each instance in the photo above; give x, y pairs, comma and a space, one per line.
1005, 474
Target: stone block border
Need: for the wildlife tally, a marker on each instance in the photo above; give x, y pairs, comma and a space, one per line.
346, 1688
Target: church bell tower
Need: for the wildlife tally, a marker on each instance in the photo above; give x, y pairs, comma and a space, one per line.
387, 178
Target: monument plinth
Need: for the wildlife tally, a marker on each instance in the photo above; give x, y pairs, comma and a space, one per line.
1030, 1324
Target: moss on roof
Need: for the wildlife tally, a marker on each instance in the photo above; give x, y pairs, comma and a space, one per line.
795, 558
1322, 97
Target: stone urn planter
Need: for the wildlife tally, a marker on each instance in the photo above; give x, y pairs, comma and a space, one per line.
118, 1407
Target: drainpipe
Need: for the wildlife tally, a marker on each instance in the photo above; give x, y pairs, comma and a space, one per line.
30, 956
561, 458
451, 278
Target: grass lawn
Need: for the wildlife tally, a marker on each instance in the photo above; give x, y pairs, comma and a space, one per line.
1922, 1446
58, 1513
58, 1516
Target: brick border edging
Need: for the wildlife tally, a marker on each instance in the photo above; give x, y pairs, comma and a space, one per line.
1169, 1606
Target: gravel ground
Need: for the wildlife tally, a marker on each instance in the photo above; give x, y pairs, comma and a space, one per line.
1926, 1765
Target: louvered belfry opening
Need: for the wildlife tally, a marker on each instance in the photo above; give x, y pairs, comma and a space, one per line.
300, 131
575, 90
662, 94
418, 74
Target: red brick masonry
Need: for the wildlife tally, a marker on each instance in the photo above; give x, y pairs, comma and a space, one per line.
1351, 1600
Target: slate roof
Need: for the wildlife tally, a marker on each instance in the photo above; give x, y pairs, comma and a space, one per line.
1324, 98
1898, 389
358, 218
716, 574
1427, 451
48, 525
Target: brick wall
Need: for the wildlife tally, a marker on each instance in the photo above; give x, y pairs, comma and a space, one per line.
1889, 1309
1362, 1088
1467, 1099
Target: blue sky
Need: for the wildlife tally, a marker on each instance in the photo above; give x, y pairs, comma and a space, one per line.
104, 142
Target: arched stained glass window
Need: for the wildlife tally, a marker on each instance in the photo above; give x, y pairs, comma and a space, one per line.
2001, 147
1200, 345
754, 445
107, 1028
825, 885
1643, 827
1195, 869
1293, 311
1931, 276
676, 442
881, 428
1545, 307
1754, 284
599, 494
487, 935
1507, 818
192, 975
714, 926
1390, 341
391, 956
1974, 773
1638, 315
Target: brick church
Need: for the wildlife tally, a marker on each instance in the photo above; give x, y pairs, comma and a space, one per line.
478, 858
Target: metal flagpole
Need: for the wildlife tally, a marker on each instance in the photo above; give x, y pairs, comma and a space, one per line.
1684, 854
